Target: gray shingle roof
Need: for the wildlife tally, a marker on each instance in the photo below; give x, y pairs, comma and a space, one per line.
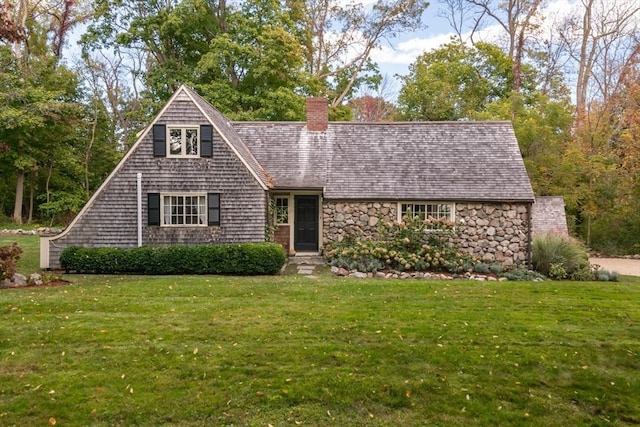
446, 161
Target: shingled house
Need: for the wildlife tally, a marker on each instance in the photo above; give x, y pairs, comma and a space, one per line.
194, 177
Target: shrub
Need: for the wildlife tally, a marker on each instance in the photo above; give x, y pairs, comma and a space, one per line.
481, 267
521, 274
411, 245
9, 256
560, 257
603, 275
239, 259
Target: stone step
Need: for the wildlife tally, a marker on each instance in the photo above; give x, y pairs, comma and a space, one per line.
313, 259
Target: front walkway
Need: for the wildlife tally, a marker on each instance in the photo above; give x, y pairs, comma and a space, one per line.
306, 263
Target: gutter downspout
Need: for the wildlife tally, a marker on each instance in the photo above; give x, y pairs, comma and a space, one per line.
139, 188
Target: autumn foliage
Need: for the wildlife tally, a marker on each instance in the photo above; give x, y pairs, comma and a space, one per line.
9, 256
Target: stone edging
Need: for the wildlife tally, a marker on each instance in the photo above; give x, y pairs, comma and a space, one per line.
392, 274
41, 231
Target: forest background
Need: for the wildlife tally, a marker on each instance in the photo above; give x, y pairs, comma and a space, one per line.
570, 87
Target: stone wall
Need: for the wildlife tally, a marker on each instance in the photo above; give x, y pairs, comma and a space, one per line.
494, 232
341, 219
491, 232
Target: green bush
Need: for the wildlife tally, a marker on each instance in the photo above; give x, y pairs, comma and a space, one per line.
239, 259
411, 245
521, 274
561, 257
603, 275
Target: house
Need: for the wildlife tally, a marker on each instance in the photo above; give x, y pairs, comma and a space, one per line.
194, 177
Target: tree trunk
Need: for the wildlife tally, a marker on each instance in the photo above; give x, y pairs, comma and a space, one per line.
31, 199
17, 210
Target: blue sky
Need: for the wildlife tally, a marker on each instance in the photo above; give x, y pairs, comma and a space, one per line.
407, 47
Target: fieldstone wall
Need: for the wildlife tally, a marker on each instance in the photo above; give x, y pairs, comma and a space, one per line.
495, 232
341, 219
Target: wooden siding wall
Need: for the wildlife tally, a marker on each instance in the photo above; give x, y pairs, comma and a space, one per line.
111, 220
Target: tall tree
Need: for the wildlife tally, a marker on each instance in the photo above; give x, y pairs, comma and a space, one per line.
38, 93
519, 20
600, 36
454, 81
243, 56
338, 38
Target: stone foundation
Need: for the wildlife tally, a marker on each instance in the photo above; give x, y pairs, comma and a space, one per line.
492, 232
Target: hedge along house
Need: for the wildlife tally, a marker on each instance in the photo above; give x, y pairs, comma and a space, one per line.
193, 177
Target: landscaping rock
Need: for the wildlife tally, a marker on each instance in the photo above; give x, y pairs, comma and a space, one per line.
35, 279
19, 280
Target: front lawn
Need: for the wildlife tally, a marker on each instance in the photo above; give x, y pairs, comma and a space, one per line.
291, 350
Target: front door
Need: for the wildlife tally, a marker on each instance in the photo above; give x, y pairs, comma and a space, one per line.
306, 223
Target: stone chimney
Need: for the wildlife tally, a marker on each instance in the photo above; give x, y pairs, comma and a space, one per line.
317, 114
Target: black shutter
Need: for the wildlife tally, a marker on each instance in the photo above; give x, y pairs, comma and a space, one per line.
206, 141
153, 208
159, 140
213, 208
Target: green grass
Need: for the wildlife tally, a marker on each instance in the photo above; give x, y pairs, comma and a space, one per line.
29, 261
290, 350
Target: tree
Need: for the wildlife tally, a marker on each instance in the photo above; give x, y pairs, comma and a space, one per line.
37, 99
517, 18
9, 31
242, 57
254, 67
37, 111
338, 38
454, 81
371, 106
599, 37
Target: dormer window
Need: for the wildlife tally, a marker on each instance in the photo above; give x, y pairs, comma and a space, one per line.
182, 140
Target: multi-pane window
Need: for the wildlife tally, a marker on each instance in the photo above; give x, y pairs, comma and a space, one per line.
282, 210
426, 210
184, 209
183, 141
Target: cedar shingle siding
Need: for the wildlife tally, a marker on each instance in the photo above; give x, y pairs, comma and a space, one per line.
110, 218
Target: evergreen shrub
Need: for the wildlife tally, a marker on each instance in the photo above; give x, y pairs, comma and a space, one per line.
238, 259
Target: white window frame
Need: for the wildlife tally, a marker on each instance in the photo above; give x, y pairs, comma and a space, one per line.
171, 152
277, 210
170, 208
437, 205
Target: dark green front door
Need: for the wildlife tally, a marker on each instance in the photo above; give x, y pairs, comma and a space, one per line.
306, 223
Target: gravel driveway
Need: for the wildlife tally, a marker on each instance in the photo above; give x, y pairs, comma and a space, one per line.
629, 267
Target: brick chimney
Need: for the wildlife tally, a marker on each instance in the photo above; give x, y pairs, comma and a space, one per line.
317, 114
